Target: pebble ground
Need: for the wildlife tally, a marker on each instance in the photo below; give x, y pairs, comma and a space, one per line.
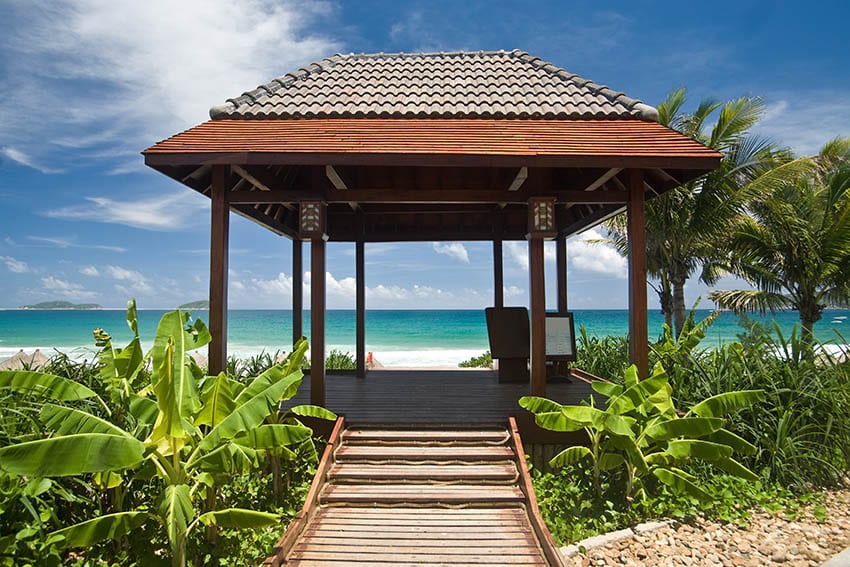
766, 539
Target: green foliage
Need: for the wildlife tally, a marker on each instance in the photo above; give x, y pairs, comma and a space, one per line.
640, 434
338, 360
793, 243
482, 361
161, 450
572, 510
606, 357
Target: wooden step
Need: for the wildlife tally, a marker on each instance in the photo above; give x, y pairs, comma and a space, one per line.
346, 472
418, 493
422, 453
365, 436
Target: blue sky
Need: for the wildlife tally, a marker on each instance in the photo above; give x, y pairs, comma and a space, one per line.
87, 84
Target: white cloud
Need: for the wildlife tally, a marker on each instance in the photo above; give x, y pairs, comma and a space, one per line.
66, 289
21, 158
16, 266
805, 120
454, 250
279, 286
68, 243
518, 252
598, 258
120, 75
136, 282
90, 271
161, 213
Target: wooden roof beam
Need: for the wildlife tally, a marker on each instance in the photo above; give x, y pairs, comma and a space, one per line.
603, 179
424, 197
519, 179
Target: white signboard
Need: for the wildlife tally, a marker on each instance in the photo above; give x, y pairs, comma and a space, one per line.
559, 336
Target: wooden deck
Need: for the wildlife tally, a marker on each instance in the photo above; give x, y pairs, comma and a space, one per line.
419, 497
433, 397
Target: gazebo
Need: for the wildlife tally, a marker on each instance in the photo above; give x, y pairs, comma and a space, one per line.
471, 146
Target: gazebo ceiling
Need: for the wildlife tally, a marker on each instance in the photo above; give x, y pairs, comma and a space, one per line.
446, 146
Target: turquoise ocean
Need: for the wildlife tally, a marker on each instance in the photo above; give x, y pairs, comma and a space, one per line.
395, 337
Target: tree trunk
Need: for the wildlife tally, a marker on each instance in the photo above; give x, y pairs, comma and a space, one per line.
678, 305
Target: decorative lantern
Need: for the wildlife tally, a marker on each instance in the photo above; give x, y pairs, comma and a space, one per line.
312, 220
541, 218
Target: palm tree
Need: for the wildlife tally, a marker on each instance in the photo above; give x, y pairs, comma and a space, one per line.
793, 246
686, 226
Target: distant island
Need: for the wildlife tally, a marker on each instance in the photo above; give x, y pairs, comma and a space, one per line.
62, 305
202, 304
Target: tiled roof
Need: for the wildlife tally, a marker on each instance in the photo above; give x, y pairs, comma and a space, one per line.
619, 140
479, 84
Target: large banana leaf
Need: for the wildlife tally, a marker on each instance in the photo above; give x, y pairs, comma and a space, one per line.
68, 421
239, 518
173, 330
536, 404
635, 395
690, 427
735, 468
679, 483
313, 411
739, 444
227, 459
110, 526
699, 449
169, 430
569, 456
724, 404
72, 455
607, 389
145, 410
260, 383
124, 363
48, 385
276, 373
273, 436
216, 400
633, 453
249, 414
176, 511
557, 421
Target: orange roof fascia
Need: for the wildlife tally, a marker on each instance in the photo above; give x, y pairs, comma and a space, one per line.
424, 136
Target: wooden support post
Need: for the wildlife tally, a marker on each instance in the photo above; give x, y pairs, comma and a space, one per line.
297, 290
219, 244
498, 275
561, 265
360, 277
638, 331
317, 322
537, 290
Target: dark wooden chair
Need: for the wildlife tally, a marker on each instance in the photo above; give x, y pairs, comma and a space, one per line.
510, 341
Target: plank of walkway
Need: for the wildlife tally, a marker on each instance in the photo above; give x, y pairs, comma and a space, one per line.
396, 557
394, 563
446, 494
443, 473
419, 513
419, 435
414, 453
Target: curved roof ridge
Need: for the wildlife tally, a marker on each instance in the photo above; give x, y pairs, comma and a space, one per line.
321, 89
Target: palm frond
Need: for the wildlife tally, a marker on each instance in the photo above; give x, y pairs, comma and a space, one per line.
750, 300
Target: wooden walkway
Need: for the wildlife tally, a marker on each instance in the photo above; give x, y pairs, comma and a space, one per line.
433, 396
399, 497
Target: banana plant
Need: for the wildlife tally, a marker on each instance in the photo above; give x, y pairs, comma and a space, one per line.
197, 428
641, 432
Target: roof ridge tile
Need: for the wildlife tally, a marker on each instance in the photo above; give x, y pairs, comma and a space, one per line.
448, 84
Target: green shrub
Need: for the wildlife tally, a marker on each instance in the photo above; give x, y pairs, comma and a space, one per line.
338, 360
606, 357
482, 361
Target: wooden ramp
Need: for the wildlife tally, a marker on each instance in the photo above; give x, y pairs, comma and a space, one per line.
392, 496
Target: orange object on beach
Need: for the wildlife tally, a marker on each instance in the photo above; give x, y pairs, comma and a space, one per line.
369, 358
